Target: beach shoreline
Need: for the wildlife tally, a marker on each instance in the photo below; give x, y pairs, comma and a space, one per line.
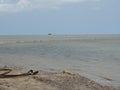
43, 80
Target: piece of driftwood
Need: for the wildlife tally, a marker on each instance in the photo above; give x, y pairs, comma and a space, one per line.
6, 75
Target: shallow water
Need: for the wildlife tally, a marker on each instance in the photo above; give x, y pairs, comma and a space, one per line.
94, 56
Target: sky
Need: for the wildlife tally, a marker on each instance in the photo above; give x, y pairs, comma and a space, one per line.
22, 17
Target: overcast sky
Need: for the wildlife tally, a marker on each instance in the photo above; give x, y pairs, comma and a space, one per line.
59, 17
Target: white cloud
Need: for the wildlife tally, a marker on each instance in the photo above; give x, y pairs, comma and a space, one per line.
20, 5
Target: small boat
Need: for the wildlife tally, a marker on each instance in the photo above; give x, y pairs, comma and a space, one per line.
49, 33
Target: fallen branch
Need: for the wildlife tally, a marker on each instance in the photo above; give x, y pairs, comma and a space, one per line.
6, 71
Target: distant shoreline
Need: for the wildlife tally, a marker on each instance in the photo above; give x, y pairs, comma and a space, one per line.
13, 39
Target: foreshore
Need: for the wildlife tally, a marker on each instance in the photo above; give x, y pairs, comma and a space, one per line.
18, 79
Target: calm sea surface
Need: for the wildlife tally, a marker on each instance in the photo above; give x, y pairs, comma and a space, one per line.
94, 56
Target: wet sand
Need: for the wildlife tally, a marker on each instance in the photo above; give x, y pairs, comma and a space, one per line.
64, 80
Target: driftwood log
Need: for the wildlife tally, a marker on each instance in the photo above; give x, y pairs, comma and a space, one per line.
6, 74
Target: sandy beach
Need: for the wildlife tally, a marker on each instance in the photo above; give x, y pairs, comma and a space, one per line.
18, 79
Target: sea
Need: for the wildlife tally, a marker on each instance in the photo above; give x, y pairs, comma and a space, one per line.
94, 56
